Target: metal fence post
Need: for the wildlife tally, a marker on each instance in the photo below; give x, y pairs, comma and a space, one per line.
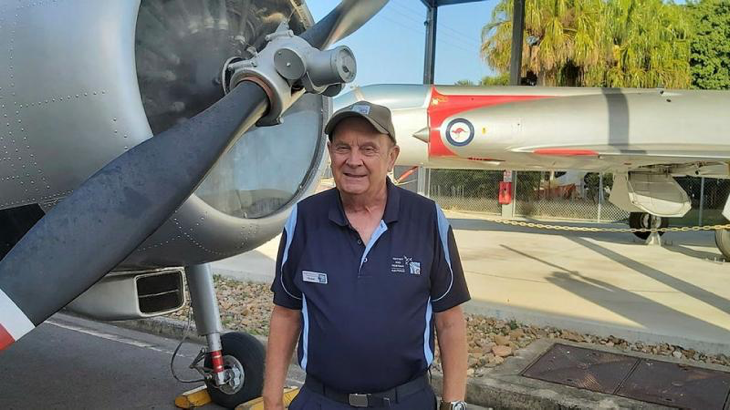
600, 195
508, 211
421, 178
428, 183
702, 198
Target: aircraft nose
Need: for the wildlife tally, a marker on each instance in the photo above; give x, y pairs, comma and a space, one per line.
423, 134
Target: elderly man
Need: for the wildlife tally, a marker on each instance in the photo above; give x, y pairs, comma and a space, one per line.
364, 272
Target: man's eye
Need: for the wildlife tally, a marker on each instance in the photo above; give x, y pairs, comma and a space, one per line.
369, 150
342, 150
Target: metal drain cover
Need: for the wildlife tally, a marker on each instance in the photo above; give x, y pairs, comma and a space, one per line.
668, 384
675, 385
583, 368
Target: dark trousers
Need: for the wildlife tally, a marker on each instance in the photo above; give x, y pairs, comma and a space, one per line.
308, 400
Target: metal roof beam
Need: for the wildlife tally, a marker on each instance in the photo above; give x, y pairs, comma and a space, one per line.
429, 3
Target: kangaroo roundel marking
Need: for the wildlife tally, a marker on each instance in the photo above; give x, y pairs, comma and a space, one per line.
459, 132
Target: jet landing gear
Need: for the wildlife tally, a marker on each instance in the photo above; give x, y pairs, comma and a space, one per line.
722, 240
232, 364
642, 220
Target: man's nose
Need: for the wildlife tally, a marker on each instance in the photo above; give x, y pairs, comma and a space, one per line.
354, 159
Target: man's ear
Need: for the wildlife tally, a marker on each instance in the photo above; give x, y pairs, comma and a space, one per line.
394, 152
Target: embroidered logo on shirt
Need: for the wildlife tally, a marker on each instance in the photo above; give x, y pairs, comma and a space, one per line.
415, 268
405, 265
314, 277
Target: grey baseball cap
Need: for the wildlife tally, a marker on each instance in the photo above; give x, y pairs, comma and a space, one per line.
377, 115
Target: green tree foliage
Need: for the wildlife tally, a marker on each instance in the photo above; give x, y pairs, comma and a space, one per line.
710, 59
464, 83
614, 43
502, 79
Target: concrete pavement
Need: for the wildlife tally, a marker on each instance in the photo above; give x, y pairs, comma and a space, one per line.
599, 283
73, 363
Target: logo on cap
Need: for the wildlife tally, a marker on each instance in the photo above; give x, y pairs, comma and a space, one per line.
459, 132
362, 109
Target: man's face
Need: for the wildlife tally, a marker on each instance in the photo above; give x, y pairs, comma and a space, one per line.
361, 157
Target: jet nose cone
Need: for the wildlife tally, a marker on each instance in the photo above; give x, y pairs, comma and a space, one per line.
422, 134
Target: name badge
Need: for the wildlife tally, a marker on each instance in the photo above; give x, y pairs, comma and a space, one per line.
314, 277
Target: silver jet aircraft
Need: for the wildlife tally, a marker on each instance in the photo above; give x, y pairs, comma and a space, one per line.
121, 167
645, 137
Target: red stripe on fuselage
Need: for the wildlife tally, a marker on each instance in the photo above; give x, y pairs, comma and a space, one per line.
443, 106
5, 338
564, 152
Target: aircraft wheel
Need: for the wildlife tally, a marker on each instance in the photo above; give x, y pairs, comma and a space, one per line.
722, 239
243, 357
638, 220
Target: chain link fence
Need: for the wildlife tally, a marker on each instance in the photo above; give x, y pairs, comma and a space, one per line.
566, 195
466, 190
571, 195
708, 197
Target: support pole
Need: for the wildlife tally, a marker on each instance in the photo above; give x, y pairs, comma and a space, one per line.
421, 181
702, 198
508, 211
429, 67
600, 195
518, 29
429, 60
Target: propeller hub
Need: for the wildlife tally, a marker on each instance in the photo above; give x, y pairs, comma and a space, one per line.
287, 66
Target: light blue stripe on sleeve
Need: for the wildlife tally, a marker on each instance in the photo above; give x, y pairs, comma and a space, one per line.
305, 333
443, 226
427, 334
289, 228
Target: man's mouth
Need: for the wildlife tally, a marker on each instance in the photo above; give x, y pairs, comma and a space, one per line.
349, 175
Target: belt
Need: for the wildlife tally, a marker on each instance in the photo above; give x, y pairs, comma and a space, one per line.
380, 399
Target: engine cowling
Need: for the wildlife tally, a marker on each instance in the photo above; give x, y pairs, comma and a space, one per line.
88, 80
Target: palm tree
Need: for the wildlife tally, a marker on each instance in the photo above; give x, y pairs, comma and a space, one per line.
650, 45
639, 43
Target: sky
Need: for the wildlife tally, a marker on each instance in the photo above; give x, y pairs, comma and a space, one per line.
390, 47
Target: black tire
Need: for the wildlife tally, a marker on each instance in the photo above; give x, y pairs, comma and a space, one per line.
251, 354
722, 239
638, 220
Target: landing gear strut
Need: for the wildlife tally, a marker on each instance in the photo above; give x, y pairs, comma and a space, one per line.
722, 239
233, 364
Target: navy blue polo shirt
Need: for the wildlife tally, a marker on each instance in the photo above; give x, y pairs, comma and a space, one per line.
367, 308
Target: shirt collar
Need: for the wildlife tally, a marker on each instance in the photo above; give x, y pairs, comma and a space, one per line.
392, 206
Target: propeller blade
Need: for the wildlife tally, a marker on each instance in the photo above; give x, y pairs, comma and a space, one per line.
342, 21
96, 227
111, 213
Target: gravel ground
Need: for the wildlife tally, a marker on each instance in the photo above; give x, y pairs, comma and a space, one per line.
246, 306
